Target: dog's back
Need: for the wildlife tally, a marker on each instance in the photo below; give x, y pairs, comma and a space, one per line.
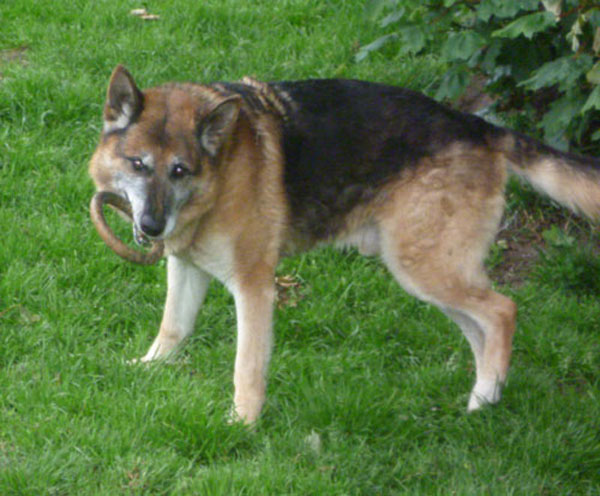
345, 139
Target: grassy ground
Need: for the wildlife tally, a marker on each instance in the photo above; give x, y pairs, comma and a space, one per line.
368, 387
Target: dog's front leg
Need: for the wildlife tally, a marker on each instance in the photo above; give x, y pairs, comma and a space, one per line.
187, 285
254, 309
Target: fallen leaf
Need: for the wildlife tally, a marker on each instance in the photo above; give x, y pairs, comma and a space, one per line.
287, 291
286, 281
144, 15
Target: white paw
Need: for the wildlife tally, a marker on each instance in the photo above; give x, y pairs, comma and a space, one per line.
151, 357
485, 392
138, 361
169, 358
247, 410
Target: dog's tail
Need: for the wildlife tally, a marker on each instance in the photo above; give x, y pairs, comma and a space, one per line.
570, 179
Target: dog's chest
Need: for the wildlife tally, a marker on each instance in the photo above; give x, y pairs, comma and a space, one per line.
213, 252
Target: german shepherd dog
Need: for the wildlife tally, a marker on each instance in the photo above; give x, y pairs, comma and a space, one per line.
233, 176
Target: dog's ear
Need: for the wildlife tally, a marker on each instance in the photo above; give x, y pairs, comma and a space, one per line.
124, 101
216, 127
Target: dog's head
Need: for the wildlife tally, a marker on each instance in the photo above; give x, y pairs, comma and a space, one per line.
160, 149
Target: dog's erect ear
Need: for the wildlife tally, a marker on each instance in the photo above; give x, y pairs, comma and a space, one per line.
216, 127
124, 101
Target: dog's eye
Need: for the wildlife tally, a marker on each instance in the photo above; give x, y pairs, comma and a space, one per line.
179, 170
137, 164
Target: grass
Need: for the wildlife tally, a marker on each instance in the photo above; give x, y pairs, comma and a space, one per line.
368, 387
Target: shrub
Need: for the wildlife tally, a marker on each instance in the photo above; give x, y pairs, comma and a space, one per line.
538, 58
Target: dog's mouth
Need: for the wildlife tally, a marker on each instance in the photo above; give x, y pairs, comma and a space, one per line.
114, 243
139, 237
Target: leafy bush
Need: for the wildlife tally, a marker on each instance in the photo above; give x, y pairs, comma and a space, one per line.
540, 58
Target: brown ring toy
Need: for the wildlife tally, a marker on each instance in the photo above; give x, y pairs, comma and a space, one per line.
106, 233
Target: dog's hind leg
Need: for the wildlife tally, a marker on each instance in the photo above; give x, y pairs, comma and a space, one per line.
488, 386
187, 285
486, 318
488, 322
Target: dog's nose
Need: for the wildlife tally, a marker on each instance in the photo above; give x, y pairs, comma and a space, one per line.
150, 226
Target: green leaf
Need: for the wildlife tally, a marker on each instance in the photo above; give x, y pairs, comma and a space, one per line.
563, 71
596, 136
575, 32
593, 101
375, 45
554, 6
593, 76
489, 64
453, 84
503, 9
393, 17
374, 7
560, 114
527, 25
412, 39
593, 17
462, 45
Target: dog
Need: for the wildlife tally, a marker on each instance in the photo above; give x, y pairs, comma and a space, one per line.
233, 176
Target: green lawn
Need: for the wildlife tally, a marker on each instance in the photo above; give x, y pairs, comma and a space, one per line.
368, 387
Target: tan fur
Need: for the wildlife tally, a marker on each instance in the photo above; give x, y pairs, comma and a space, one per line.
566, 179
572, 188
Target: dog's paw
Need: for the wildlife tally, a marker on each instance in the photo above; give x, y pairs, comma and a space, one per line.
139, 361
484, 393
150, 357
249, 420
246, 412
233, 418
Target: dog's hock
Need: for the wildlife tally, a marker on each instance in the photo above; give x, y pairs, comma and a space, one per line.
119, 247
